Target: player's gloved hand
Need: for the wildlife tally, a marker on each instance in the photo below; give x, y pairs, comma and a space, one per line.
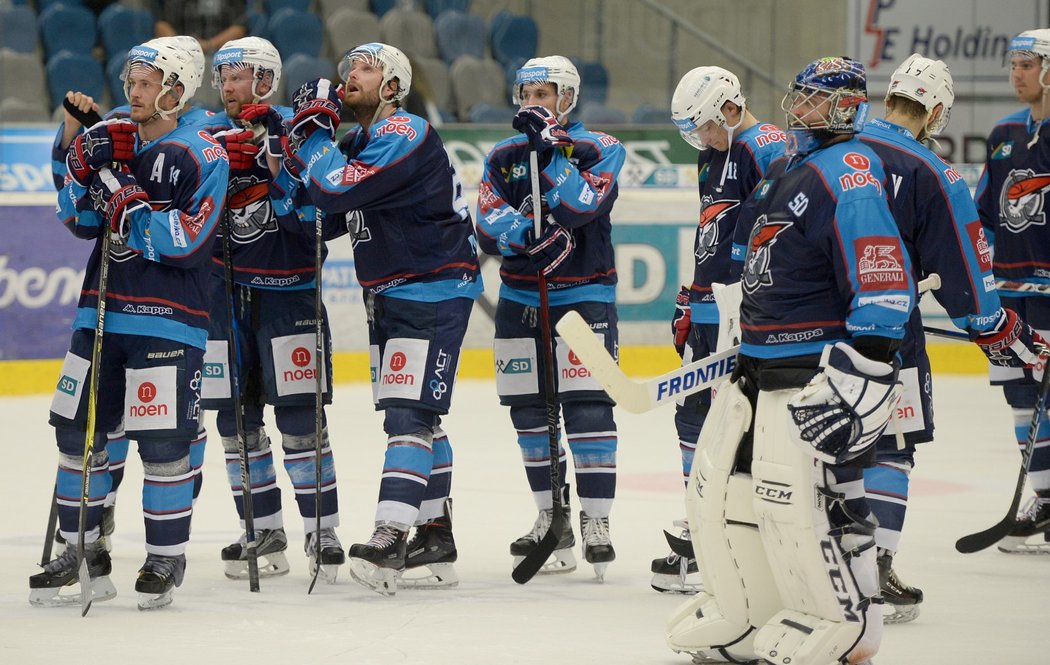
292, 163
681, 320
543, 129
844, 409
525, 209
317, 105
553, 247
269, 118
1011, 342
101, 145
117, 197
239, 146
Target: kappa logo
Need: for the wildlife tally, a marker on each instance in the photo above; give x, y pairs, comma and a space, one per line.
1023, 199
707, 234
756, 264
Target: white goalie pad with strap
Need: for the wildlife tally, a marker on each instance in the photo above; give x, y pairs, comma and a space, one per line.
727, 298
740, 592
822, 557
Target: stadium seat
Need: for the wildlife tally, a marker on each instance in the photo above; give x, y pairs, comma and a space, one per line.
476, 81
18, 29
274, 6
485, 113
594, 81
123, 28
13, 109
114, 68
67, 28
329, 7
646, 114
294, 32
514, 38
431, 75
256, 23
348, 28
70, 70
437, 7
594, 113
380, 7
460, 34
25, 69
410, 30
301, 68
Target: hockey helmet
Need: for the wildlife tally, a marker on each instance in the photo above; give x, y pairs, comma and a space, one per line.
188, 43
928, 82
393, 63
176, 66
1033, 43
699, 99
254, 52
556, 69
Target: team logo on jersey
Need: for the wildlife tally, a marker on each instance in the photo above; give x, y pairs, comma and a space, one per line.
759, 246
355, 226
1003, 150
251, 213
707, 234
880, 264
1022, 199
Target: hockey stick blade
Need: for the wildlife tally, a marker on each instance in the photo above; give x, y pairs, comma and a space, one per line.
975, 542
535, 559
84, 579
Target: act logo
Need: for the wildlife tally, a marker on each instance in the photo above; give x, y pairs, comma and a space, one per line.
707, 234
756, 264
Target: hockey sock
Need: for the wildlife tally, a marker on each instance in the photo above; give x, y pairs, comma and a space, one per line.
406, 470
300, 461
535, 453
117, 447
886, 487
266, 495
688, 424
439, 487
591, 432
68, 486
167, 503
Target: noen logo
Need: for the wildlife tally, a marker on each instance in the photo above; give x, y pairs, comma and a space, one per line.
300, 357
398, 361
147, 392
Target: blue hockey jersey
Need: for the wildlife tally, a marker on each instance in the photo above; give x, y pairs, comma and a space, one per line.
158, 279
825, 261
394, 190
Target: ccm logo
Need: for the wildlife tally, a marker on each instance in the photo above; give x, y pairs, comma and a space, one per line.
773, 493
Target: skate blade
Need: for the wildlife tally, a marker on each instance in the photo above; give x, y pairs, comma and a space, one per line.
675, 584
559, 563
899, 613
101, 589
381, 580
274, 564
704, 658
1020, 545
154, 601
431, 576
599, 571
329, 571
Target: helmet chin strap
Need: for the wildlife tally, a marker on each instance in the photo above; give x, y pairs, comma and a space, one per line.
730, 129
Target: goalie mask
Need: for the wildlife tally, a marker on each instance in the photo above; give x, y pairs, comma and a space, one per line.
255, 53
699, 99
391, 61
928, 82
822, 102
176, 67
555, 69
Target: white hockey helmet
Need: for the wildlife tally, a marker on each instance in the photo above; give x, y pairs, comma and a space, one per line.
254, 52
188, 43
393, 63
556, 69
928, 82
699, 99
1033, 43
176, 66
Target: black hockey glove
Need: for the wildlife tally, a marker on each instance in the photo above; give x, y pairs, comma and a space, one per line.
317, 105
553, 247
117, 196
543, 129
107, 142
680, 324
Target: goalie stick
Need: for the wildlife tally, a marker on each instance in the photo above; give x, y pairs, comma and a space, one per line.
642, 396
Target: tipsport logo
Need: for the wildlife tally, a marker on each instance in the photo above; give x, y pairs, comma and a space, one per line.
514, 366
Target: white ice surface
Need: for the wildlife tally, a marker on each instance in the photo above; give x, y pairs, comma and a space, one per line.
982, 608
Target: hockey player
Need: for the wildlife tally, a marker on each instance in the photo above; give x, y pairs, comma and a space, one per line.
943, 234
391, 186
709, 110
274, 318
156, 325
787, 439
1012, 193
578, 180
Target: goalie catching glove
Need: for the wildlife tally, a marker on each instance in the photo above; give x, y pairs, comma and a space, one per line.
117, 196
844, 409
1011, 342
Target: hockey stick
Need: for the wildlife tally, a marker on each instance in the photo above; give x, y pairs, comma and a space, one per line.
52, 522
975, 542
233, 358
318, 399
950, 334
535, 559
1021, 287
642, 396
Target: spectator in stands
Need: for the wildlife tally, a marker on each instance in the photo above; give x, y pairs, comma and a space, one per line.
212, 22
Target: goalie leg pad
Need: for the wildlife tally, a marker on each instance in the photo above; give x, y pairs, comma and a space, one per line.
740, 590
819, 539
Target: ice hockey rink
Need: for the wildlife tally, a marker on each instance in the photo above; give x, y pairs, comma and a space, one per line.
985, 607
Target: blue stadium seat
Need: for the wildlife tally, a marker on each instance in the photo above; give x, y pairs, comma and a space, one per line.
599, 114
460, 34
123, 27
296, 32
67, 27
274, 6
437, 7
485, 113
594, 82
18, 29
114, 68
647, 114
301, 68
70, 70
380, 7
514, 38
256, 23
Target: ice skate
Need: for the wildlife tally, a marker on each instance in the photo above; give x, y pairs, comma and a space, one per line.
332, 555
429, 557
1031, 534
376, 564
901, 602
562, 559
597, 547
270, 545
677, 572
45, 588
108, 526
158, 577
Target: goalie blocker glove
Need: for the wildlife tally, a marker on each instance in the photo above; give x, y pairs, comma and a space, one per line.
1011, 342
844, 409
105, 143
117, 196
